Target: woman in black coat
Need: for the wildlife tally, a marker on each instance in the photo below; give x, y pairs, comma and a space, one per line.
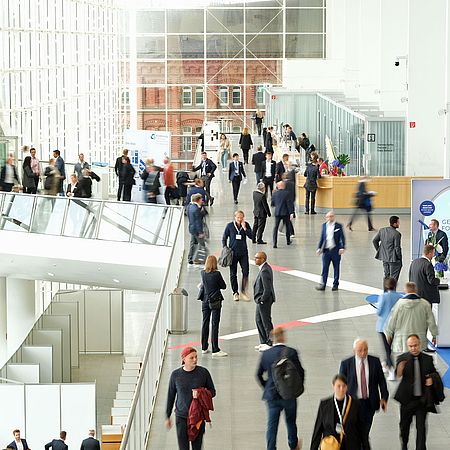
245, 143
330, 418
28, 178
212, 283
312, 174
126, 177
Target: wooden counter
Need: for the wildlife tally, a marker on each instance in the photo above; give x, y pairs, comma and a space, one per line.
393, 193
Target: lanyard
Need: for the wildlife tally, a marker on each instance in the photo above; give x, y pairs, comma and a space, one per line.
343, 408
237, 229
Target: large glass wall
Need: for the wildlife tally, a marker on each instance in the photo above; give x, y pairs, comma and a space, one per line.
214, 62
59, 74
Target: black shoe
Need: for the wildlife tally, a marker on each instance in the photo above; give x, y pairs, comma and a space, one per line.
334, 288
289, 242
372, 229
349, 227
235, 202
306, 212
261, 242
211, 201
254, 241
320, 288
190, 262
313, 212
275, 246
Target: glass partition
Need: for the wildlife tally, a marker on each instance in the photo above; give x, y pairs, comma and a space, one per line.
90, 219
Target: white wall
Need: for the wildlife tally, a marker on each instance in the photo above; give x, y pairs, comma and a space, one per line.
426, 87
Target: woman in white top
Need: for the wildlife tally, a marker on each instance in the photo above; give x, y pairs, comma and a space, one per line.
224, 154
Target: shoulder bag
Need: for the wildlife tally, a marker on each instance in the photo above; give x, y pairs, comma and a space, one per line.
215, 300
330, 442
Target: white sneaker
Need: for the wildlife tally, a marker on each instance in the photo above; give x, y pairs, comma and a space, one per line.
264, 347
391, 376
236, 297
257, 347
219, 354
204, 352
243, 296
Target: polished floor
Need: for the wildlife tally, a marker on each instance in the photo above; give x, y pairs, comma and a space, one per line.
323, 339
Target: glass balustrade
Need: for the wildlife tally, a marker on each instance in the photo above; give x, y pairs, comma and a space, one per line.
89, 218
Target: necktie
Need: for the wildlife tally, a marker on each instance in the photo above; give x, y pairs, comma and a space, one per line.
363, 381
204, 169
236, 168
417, 381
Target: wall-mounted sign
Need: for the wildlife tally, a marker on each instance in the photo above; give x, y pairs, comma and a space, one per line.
274, 97
385, 147
371, 137
412, 124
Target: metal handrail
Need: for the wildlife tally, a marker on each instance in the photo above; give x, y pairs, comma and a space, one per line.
148, 346
9, 197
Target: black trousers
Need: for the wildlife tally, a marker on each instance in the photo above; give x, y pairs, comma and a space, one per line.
367, 414
168, 194
288, 226
407, 412
268, 182
207, 180
263, 319
182, 435
245, 152
119, 191
243, 262
312, 195
363, 210
209, 314
259, 224
258, 126
127, 192
387, 349
236, 183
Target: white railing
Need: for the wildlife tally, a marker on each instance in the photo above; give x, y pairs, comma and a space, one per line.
141, 413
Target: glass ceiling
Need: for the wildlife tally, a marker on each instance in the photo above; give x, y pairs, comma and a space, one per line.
186, 4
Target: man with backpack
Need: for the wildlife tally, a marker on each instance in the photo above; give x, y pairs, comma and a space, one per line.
282, 385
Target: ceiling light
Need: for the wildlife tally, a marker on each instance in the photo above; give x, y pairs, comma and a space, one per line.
50, 274
116, 280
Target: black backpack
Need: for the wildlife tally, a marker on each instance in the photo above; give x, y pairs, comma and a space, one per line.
289, 382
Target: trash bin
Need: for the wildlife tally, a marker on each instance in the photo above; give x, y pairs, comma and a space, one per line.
178, 311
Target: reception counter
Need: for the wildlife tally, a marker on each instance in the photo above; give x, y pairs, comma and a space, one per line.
393, 193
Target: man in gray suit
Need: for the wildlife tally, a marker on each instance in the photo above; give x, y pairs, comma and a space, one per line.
387, 243
421, 272
90, 443
264, 296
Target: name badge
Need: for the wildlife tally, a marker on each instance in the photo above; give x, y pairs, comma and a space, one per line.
338, 428
238, 237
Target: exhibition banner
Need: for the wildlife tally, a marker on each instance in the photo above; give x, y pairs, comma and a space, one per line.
142, 145
430, 199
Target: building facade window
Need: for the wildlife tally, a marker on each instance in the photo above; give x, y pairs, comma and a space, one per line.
237, 98
187, 96
199, 96
223, 95
260, 95
186, 140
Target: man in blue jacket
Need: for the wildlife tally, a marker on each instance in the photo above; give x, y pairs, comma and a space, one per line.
195, 226
366, 382
331, 246
284, 210
275, 404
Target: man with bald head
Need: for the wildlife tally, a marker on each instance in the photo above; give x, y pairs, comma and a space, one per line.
366, 382
264, 295
332, 247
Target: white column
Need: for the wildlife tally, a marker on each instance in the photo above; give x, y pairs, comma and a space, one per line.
3, 323
447, 97
426, 87
20, 313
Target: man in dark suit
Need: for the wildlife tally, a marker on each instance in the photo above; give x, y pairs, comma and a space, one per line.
268, 142
236, 174
332, 247
268, 172
90, 443
61, 166
15, 444
281, 167
195, 218
284, 210
258, 159
414, 368
366, 382
260, 212
207, 169
421, 272
264, 296
117, 170
275, 404
387, 243
58, 444
437, 237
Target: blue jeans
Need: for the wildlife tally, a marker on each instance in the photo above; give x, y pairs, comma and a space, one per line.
274, 408
331, 256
